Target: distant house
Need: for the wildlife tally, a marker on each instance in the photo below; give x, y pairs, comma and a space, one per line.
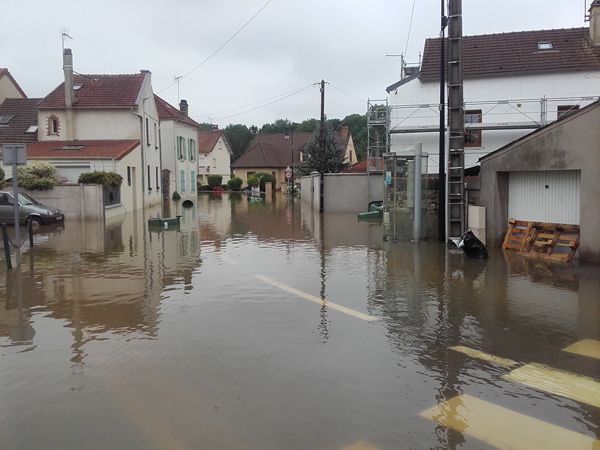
103, 122
273, 153
179, 147
550, 175
9, 88
514, 83
18, 124
214, 156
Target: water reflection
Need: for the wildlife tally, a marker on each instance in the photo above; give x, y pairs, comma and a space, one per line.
139, 321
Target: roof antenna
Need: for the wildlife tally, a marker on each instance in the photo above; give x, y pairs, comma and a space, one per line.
64, 35
177, 78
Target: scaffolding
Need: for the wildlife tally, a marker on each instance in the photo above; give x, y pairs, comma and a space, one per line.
378, 134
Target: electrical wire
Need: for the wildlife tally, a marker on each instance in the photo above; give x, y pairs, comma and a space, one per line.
231, 38
298, 91
249, 104
348, 95
412, 15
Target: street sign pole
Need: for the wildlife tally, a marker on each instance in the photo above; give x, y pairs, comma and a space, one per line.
15, 155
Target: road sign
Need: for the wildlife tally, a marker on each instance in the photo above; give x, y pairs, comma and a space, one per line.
288, 173
14, 154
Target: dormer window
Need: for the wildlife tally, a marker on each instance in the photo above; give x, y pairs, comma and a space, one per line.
77, 87
545, 46
53, 125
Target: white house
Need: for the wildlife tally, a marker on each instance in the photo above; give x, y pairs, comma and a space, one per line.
513, 83
214, 155
103, 122
179, 144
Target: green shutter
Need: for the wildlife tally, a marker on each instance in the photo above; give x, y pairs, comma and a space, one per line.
193, 181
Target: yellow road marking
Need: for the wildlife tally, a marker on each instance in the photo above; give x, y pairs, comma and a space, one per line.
503, 428
557, 382
586, 347
504, 362
317, 300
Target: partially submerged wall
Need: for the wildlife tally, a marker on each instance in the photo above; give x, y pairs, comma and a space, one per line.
77, 201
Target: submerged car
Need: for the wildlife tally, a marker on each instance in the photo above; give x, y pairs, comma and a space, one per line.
30, 210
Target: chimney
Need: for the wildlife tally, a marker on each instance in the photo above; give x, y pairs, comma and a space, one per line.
69, 94
183, 107
214, 127
68, 70
595, 23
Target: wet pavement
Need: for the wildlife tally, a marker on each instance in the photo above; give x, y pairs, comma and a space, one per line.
216, 336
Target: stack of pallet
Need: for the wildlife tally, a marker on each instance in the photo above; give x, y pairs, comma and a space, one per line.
552, 242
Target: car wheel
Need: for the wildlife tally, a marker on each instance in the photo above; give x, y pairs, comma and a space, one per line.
35, 221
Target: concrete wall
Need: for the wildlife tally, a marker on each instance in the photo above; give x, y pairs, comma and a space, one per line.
344, 192
569, 144
576, 84
76, 200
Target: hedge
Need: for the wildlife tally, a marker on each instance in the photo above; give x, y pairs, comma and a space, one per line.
100, 177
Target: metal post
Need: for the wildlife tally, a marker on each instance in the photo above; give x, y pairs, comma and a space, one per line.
442, 137
16, 200
322, 149
6, 246
30, 232
417, 192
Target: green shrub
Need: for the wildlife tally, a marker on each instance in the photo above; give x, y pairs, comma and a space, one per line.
253, 180
100, 177
214, 180
266, 178
204, 188
176, 197
2, 175
37, 177
234, 184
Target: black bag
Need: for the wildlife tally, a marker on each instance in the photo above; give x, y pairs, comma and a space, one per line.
472, 246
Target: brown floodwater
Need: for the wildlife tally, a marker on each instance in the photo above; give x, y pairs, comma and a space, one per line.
214, 336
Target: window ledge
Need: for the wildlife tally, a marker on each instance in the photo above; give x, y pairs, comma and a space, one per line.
116, 205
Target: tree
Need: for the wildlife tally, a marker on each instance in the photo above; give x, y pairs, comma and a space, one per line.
308, 125
205, 126
330, 161
239, 136
279, 126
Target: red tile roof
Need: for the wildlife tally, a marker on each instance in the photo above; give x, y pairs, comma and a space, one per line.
377, 165
166, 111
517, 53
4, 72
208, 139
98, 91
24, 112
274, 150
81, 149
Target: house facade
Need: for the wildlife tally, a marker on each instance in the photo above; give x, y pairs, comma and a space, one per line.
513, 83
103, 122
550, 175
214, 156
179, 143
9, 88
274, 153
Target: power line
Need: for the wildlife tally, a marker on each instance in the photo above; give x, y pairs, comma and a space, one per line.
363, 101
298, 91
412, 14
205, 60
251, 103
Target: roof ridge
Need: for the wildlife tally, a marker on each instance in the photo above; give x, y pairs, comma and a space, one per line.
503, 33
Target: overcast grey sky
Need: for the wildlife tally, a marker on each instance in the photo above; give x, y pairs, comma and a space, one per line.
290, 45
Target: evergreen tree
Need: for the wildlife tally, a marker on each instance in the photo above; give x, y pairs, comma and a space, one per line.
329, 161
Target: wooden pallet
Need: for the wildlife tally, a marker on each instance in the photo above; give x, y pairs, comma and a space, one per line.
551, 242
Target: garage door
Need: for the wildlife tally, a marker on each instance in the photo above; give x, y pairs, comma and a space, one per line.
71, 171
551, 196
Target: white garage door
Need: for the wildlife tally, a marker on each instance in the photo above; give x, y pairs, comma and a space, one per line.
551, 196
71, 171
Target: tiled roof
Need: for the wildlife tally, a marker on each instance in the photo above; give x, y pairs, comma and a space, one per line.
274, 150
166, 111
81, 149
208, 139
24, 112
517, 53
361, 167
98, 91
4, 72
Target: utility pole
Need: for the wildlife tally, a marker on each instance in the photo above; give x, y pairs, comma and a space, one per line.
322, 147
442, 151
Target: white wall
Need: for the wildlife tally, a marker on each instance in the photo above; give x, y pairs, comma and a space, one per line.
77, 201
187, 132
530, 87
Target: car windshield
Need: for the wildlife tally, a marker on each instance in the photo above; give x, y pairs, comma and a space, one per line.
25, 199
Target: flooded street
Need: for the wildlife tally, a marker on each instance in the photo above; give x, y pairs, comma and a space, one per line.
215, 336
